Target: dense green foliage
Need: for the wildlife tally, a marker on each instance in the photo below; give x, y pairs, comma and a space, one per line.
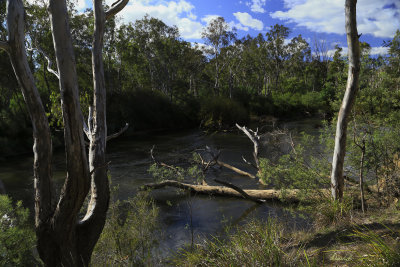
17, 238
156, 80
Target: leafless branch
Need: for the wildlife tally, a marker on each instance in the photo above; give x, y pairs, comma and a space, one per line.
49, 62
249, 163
164, 164
152, 154
118, 133
255, 138
115, 8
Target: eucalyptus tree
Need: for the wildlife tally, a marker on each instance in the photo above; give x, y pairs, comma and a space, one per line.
218, 35
233, 58
337, 180
193, 63
299, 55
278, 49
63, 238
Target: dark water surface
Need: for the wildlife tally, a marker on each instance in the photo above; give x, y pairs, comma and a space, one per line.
130, 161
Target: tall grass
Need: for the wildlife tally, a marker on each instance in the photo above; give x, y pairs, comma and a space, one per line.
382, 249
255, 244
130, 235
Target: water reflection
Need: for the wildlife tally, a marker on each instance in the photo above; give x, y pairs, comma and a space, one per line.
130, 161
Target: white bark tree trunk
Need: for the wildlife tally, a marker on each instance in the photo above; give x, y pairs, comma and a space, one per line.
62, 240
337, 182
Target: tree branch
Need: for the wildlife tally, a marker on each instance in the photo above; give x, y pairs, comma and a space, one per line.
118, 133
49, 62
241, 191
5, 46
255, 138
115, 8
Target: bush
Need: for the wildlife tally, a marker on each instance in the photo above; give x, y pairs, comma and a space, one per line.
220, 112
17, 239
304, 167
130, 234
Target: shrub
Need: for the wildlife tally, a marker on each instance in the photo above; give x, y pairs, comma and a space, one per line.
17, 239
303, 167
130, 234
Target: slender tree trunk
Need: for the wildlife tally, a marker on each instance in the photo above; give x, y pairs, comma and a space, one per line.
337, 182
216, 84
361, 176
92, 225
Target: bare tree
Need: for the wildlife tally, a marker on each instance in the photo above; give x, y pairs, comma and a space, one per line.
337, 181
64, 239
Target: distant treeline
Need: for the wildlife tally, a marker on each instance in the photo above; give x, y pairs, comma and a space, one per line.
156, 80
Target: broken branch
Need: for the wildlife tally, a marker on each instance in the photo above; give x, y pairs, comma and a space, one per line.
118, 133
255, 138
228, 166
115, 8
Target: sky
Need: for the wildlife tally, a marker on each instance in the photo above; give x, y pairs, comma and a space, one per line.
315, 20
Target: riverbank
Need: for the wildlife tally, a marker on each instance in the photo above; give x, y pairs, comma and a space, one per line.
357, 239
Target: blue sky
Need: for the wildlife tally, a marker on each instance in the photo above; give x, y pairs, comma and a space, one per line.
313, 19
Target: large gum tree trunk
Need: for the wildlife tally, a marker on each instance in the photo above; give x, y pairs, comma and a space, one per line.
63, 240
337, 182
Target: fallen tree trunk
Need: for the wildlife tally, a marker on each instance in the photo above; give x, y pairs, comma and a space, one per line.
291, 195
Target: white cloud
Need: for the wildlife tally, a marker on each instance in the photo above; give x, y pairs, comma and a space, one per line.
381, 50
248, 21
179, 13
378, 18
208, 18
81, 5
238, 26
375, 51
257, 6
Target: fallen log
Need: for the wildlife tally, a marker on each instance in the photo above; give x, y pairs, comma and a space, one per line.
291, 195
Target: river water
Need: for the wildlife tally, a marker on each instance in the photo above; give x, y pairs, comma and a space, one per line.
130, 160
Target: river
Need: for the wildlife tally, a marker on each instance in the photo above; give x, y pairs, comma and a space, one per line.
130, 160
